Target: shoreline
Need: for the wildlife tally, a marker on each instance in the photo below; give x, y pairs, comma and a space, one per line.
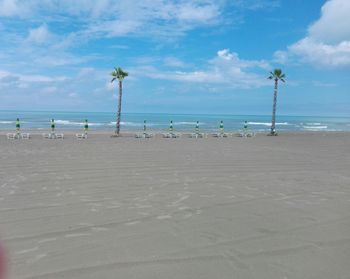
72, 132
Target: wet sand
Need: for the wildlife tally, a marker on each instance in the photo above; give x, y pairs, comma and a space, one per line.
262, 207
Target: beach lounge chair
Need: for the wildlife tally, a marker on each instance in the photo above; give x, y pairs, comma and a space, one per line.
18, 136
81, 136
220, 135
171, 135
13, 135
53, 136
245, 134
25, 135
144, 135
198, 135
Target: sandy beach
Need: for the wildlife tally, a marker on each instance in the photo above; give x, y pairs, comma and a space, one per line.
257, 208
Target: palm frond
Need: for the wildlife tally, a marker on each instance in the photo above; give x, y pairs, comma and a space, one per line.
119, 74
277, 74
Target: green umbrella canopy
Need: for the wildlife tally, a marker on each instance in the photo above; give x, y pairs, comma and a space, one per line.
18, 124
86, 125
53, 125
245, 124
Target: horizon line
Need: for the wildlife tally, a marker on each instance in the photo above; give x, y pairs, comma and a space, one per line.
173, 113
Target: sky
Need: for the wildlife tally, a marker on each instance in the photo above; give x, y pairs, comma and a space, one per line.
182, 56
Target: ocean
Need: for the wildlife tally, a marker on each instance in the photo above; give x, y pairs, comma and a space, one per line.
159, 121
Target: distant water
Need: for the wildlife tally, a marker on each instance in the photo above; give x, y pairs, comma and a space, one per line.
181, 122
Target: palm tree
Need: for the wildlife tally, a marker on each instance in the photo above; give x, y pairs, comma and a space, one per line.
119, 74
276, 75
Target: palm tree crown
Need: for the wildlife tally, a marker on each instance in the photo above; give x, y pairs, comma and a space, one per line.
119, 74
277, 75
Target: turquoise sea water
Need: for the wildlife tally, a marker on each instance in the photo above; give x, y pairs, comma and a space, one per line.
182, 122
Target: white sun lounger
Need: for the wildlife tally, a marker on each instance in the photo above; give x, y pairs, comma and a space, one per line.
171, 135
144, 136
25, 135
81, 136
13, 136
18, 136
220, 135
198, 135
53, 136
246, 134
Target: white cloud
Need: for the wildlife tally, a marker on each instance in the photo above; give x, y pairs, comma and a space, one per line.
174, 62
39, 35
333, 27
122, 17
281, 57
327, 43
321, 54
73, 95
8, 8
226, 69
192, 12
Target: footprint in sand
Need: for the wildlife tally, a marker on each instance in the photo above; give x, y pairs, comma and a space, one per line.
47, 240
27, 251
99, 229
36, 258
77, 235
132, 223
163, 217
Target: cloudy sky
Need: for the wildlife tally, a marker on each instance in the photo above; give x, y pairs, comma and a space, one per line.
183, 56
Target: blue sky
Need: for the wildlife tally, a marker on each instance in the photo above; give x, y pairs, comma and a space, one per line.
209, 56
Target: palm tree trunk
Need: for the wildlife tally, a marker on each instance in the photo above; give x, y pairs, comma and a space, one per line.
119, 108
273, 122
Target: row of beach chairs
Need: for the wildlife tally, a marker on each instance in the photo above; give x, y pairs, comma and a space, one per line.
51, 135
198, 135
170, 134
18, 136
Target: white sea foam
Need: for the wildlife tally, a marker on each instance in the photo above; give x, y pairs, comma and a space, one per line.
73, 123
268, 123
315, 127
132, 124
187, 123
7, 122
316, 123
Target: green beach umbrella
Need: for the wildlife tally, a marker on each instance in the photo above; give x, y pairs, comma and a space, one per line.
53, 125
222, 126
18, 124
245, 125
86, 126
144, 126
171, 128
